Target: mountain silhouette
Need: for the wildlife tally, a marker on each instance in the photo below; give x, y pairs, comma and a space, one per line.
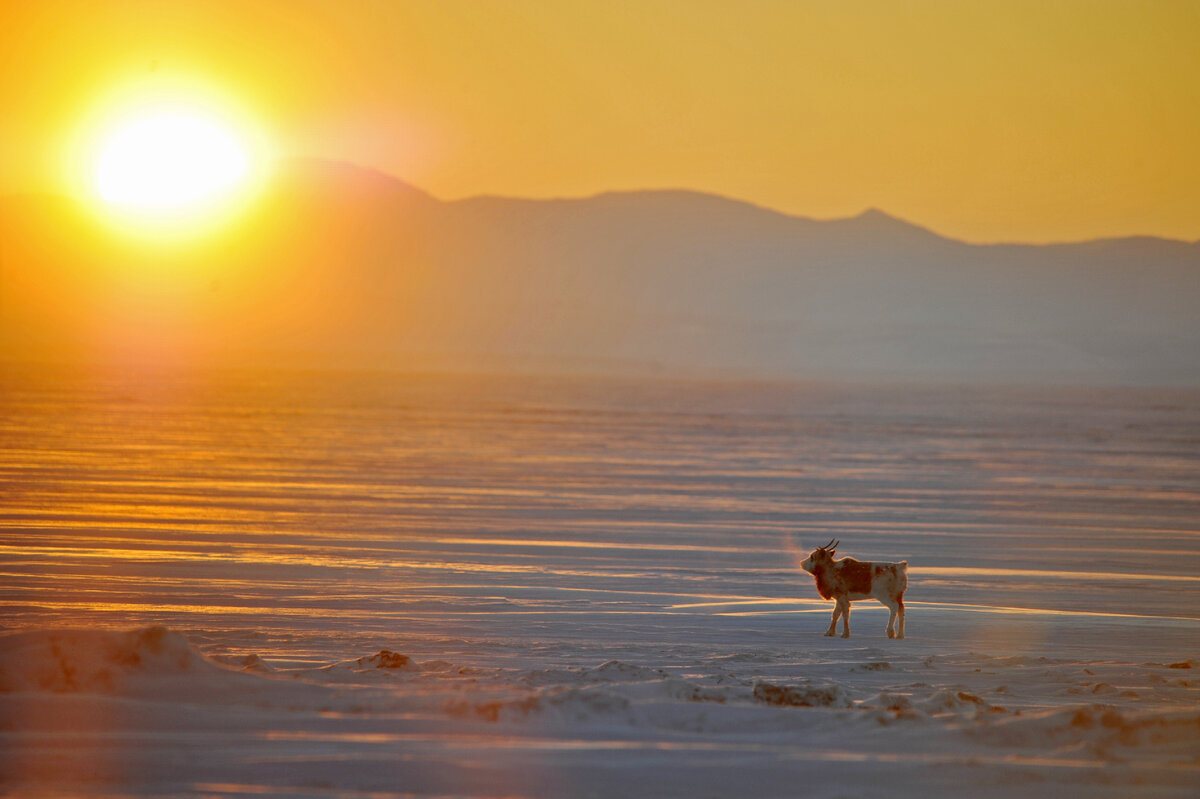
347, 266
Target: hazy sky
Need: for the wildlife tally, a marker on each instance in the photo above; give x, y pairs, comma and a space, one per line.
984, 120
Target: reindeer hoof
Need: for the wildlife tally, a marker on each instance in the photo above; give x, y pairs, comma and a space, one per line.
845, 635
829, 634
891, 634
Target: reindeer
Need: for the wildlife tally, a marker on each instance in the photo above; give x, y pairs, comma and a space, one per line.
848, 579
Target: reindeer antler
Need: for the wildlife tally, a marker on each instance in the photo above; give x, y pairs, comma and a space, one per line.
831, 544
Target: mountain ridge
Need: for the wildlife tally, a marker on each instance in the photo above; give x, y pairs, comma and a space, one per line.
872, 214
316, 173
349, 266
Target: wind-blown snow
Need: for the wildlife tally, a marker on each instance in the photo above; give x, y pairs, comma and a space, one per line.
460, 587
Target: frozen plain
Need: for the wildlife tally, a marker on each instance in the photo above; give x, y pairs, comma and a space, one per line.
322, 584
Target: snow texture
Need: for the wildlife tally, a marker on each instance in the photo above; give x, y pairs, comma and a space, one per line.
478, 588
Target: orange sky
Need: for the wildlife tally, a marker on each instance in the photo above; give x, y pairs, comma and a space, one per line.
987, 121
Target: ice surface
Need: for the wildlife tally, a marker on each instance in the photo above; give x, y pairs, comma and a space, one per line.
413, 586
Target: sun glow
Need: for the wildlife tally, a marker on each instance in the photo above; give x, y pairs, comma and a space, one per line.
170, 161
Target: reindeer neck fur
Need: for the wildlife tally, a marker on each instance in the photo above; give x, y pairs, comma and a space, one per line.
824, 573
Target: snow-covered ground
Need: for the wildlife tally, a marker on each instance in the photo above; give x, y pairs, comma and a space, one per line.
343, 585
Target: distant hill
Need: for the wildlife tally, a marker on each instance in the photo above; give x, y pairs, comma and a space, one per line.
341, 265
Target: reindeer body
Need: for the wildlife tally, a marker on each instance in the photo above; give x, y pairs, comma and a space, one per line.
847, 580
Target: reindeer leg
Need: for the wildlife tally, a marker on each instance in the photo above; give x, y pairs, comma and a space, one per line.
900, 603
845, 618
837, 611
893, 611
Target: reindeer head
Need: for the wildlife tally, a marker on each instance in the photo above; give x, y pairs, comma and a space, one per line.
820, 556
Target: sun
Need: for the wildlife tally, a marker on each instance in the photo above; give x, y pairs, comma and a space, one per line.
170, 160
167, 161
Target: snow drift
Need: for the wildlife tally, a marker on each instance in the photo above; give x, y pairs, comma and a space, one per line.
101, 661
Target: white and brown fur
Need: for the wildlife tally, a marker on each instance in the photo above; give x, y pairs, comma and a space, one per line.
848, 579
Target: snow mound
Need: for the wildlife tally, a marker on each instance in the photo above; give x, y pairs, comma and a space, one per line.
1101, 730
950, 701
888, 700
571, 705
384, 664
96, 661
387, 659
612, 671
612, 692
832, 695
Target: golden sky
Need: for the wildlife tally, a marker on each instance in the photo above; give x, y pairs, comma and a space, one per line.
1011, 120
